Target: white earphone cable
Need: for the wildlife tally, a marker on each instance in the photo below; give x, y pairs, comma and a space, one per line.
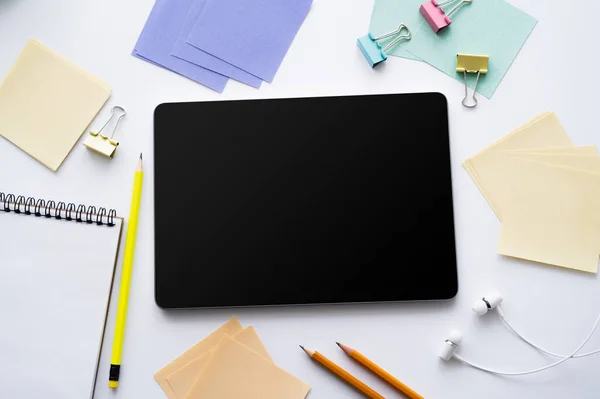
564, 359
501, 314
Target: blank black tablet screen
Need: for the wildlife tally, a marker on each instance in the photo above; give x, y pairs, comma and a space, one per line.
302, 201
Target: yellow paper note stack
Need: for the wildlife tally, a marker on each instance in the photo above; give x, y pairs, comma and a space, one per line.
546, 193
230, 363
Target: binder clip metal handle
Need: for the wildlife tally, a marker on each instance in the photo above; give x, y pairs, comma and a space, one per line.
372, 50
459, 5
102, 141
468, 63
464, 100
435, 16
401, 27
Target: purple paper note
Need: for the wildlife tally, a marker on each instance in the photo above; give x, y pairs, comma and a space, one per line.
192, 54
159, 36
253, 35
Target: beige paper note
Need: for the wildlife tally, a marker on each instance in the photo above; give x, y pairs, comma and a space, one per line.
589, 163
235, 371
182, 380
579, 150
552, 217
47, 102
543, 131
232, 327
499, 173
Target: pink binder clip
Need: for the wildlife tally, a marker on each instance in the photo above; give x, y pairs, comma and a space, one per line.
435, 16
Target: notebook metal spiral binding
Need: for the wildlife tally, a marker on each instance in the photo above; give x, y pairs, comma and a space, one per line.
61, 211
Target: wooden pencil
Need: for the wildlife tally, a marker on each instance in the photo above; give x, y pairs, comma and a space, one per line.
381, 373
343, 374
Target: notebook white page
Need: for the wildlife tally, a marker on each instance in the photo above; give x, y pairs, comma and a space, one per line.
55, 284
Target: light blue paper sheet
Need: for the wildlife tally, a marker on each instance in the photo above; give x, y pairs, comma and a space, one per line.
485, 27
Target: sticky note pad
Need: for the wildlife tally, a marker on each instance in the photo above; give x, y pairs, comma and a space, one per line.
235, 371
588, 163
502, 174
545, 191
182, 380
487, 166
232, 327
252, 35
47, 102
551, 216
189, 53
543, 131
159, 36
564, 248
579, 150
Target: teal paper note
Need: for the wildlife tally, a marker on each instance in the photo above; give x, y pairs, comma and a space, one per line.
484, 27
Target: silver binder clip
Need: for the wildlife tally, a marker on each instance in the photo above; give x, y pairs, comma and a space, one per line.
103, 142
372, 50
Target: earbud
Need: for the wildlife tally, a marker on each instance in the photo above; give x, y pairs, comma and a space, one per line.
450, 345
487, 303
490, 302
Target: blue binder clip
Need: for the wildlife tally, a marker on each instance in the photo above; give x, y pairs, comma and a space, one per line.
373, 51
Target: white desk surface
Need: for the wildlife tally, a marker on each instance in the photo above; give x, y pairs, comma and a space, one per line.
556, 70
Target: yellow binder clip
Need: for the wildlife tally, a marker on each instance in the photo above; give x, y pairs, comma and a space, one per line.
101, 142
468, 63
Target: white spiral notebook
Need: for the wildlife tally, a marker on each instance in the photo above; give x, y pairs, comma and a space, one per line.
57, 263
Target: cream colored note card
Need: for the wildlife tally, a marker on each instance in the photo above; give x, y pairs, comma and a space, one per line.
183, 379
533, 239
232, 327
543, 131
582, 162
551, 216
47, 102
237, 372
500, 173
579, 150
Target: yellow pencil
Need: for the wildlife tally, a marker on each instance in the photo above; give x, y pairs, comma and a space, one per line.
343, 374
115, 362
381, 373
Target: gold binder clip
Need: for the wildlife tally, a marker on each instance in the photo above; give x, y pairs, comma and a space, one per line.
467, 63
101, 142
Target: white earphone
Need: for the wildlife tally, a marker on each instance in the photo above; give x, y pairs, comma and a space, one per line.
491, 302
487, 303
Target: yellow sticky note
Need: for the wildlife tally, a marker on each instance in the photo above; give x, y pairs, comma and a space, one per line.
232, 327
183, 379
551, 216
543, 131
235, 371
533, 239
581, 162
500, 173
47, 102
579, 150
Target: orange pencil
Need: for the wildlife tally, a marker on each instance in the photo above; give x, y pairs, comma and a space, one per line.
381, 373
343, 374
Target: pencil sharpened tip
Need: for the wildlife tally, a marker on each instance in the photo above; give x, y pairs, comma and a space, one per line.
301, 347
338, 344
140, 155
